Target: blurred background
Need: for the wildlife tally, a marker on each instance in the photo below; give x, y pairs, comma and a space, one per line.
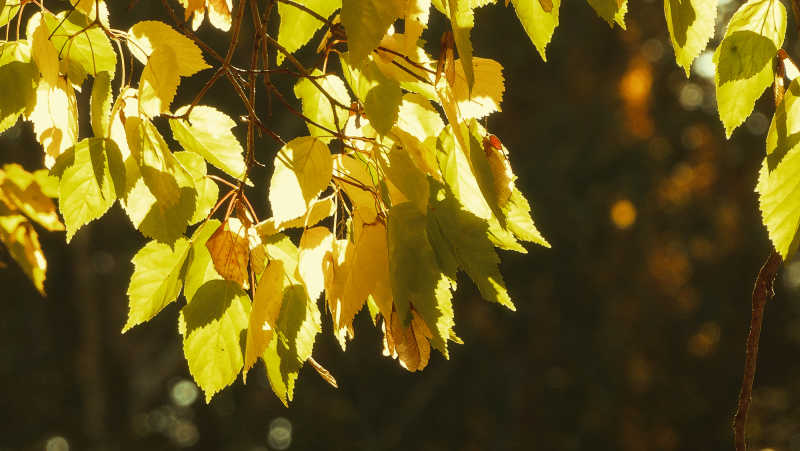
629, 333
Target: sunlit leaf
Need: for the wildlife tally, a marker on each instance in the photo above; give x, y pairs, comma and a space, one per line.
613, 11
416, 278
538, 22
148, 36
691, 26
159, 82
208, 132
100, 105
22, 242
156, 280
316, 246
23, 192
303, 168
86, 48
323, 110
92, 177
297, 27
460, 238
207, 190
380, 95
229, 251
267, 302
744, 59
366, 21
215, 317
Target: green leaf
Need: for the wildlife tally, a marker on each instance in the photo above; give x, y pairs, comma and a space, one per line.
86, 50
15, 51
744, 59
460, 237
92, 177
538, 23
207, 190
517, 215
161, 197
100, 104
156, 280
319, 108
401, 171
200, 267
779, 179
416, 278
207, 132
303, 169
297, 27
691, 26
297, 327
463, 184
8, 12
24, 77
611, 10
366, 22
380, 95
216, 318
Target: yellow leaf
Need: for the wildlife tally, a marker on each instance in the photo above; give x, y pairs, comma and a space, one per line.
159, 82
229, 249
358, 185
303, 168
55, 119
44, 53
318, 210
21, 191
316, 246
360, 269
267, 302
487, 92
22, 242
146, 37
502, 175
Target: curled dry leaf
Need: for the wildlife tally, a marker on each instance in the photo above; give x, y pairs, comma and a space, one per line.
229, 247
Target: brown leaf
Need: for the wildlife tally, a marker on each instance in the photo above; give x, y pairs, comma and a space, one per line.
408, 344
547, 5
230, 249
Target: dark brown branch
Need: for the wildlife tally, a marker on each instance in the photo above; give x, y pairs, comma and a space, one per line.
762, 292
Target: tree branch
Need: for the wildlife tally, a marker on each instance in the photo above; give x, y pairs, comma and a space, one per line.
762, 291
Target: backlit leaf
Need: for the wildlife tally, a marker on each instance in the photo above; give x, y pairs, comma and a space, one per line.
691, 26
744, 58
156, 280
86, 48
297, 27
92, 177
229, 250
319, 108
267, 302
316, 246
207, 132
366, 21
100, 105
215, 318
22, 191
148, 36
416, 278
159, 82
22, 243
538, 22
380, 95
611, 10
303, 168
207, 190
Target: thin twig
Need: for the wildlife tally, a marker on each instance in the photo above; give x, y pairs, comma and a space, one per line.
762, 292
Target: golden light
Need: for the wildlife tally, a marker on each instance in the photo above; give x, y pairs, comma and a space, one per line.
623, 214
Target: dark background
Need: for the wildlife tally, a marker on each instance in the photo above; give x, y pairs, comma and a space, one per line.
627, 335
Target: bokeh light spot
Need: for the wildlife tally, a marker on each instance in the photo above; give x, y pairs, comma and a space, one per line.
280, 433
623, 214
184, 393
57, 443
691, 96
703, 343
704, 65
